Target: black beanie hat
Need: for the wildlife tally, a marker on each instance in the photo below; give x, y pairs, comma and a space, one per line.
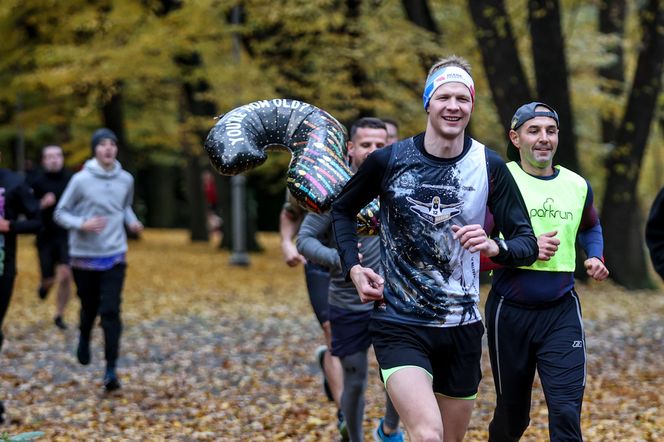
99, 135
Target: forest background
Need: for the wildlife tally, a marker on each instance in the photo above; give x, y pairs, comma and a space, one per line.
157, 72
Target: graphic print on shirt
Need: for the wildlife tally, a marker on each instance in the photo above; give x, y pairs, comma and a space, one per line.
430, 279
435, 212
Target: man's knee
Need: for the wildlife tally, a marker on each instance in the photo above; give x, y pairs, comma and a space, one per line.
354, 384
64, 274
426, 433
109, 313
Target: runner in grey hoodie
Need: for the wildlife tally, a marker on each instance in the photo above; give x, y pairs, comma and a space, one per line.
95, 208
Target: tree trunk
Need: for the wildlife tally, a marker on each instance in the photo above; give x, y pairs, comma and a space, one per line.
191, 105
112, 111
621, 214
504, 71
418, 12
612, 23
551, 73
159, 183
366, 89
197, 207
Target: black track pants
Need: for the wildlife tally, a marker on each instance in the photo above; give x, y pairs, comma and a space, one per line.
550, 340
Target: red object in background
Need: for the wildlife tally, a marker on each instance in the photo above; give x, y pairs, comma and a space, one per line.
209, 189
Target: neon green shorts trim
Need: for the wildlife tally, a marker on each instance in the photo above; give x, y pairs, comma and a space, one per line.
467, 398
390, 371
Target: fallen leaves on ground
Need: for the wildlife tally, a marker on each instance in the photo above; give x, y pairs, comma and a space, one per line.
216, 352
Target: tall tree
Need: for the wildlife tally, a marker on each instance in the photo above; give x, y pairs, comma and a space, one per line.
360, 80
612, 25
192, 136
418, 12
500, 57
621, 211
504, 70
113, 117
551, 72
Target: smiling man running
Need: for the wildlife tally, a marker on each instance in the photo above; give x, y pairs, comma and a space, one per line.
426, 326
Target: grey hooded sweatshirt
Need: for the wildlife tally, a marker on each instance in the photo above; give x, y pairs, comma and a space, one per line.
97, 192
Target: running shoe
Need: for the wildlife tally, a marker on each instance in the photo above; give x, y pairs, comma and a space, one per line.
380, 436
83, 351
341, 426
42, 292
60, 323
111, 382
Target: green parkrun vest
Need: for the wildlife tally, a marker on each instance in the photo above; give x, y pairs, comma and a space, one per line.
555, 204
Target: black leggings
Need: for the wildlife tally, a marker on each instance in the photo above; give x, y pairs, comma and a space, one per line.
352, 399
101, 294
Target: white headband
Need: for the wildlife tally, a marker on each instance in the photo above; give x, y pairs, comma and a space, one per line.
447, 74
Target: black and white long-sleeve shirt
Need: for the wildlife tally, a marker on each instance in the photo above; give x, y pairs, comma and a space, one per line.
430, 279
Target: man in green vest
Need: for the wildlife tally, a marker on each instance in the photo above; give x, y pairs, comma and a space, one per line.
533, 313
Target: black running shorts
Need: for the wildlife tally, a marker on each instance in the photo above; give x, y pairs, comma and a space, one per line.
451, 355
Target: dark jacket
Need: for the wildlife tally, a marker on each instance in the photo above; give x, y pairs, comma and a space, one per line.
655, 233
55, 183
16, 198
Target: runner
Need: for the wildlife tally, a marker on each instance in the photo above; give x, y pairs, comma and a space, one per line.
52, 240
533, 313
349, 317
96, 207
434, 189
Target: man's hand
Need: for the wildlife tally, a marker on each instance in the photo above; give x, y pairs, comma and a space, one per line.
136, 227
4, 225
95, 224
474, 239
291, 255
368, 283
547, 244
596, 269
47, 200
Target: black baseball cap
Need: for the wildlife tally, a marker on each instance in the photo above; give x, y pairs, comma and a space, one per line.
523, 114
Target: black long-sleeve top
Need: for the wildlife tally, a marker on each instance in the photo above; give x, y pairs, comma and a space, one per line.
16, 198
55, 183
430, 279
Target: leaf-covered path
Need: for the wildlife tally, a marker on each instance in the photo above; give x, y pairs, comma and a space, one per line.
214, 352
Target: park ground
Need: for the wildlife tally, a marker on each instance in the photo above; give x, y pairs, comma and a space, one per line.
215, 352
